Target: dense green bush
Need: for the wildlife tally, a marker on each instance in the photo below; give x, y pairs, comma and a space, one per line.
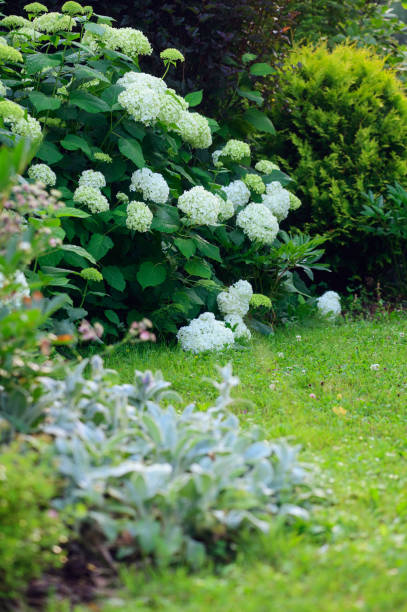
30, 534
343, 132
366, 22
108, 130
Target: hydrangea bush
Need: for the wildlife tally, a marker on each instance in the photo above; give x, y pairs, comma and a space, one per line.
163, 219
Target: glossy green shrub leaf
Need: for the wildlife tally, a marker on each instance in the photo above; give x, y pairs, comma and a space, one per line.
39, 61
77, 250
42, 102
151, 274
73, 142
186, 246
131, 149
262, 69
49, 153
88, 102
99, 245
166, 219
114, 276
259, 120
198, 267
194, 98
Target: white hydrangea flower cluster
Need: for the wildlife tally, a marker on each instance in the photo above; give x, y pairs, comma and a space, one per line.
26, 126
139, 216
205, 333
234, 304
43, 174
200, 206
226, 209
152, 184
236, 299
15, 298
239, 327
277, 200
130, 41
258, 223
236, 150
92, 197
329, 304
172, 107
216, 158
194, 129
265, 166
142, 103
147, 99
53, 22
92, 178
237, 193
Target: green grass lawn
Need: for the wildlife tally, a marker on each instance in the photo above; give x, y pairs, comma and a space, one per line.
313, 384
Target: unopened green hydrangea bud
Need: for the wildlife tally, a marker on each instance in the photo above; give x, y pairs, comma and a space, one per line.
88, 10
236, 150
122, 197
35, 8
172, 55
255, 183
10, 110
294, 202
103, 157
91, 274
72, 8
9, 54
14, 21
265, 166
258, 300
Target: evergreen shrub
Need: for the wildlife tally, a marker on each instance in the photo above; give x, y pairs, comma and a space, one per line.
342, 132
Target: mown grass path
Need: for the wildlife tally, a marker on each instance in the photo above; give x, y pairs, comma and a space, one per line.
315, 385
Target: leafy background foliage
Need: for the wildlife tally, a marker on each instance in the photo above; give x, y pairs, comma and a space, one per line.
344, 133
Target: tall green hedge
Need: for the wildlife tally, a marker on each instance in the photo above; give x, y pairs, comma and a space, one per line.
342, 130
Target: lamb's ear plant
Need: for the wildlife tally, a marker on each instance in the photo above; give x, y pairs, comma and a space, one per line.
144, 480
156, 216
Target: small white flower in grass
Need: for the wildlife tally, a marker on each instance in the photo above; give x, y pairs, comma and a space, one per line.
258, 223
375, 366
139, 217
239, 327
92, 198
205, 334
200, 206
42, 173
236, 299
280, 354
329, 304
92, 178
152, 184
298, 338
237, 193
